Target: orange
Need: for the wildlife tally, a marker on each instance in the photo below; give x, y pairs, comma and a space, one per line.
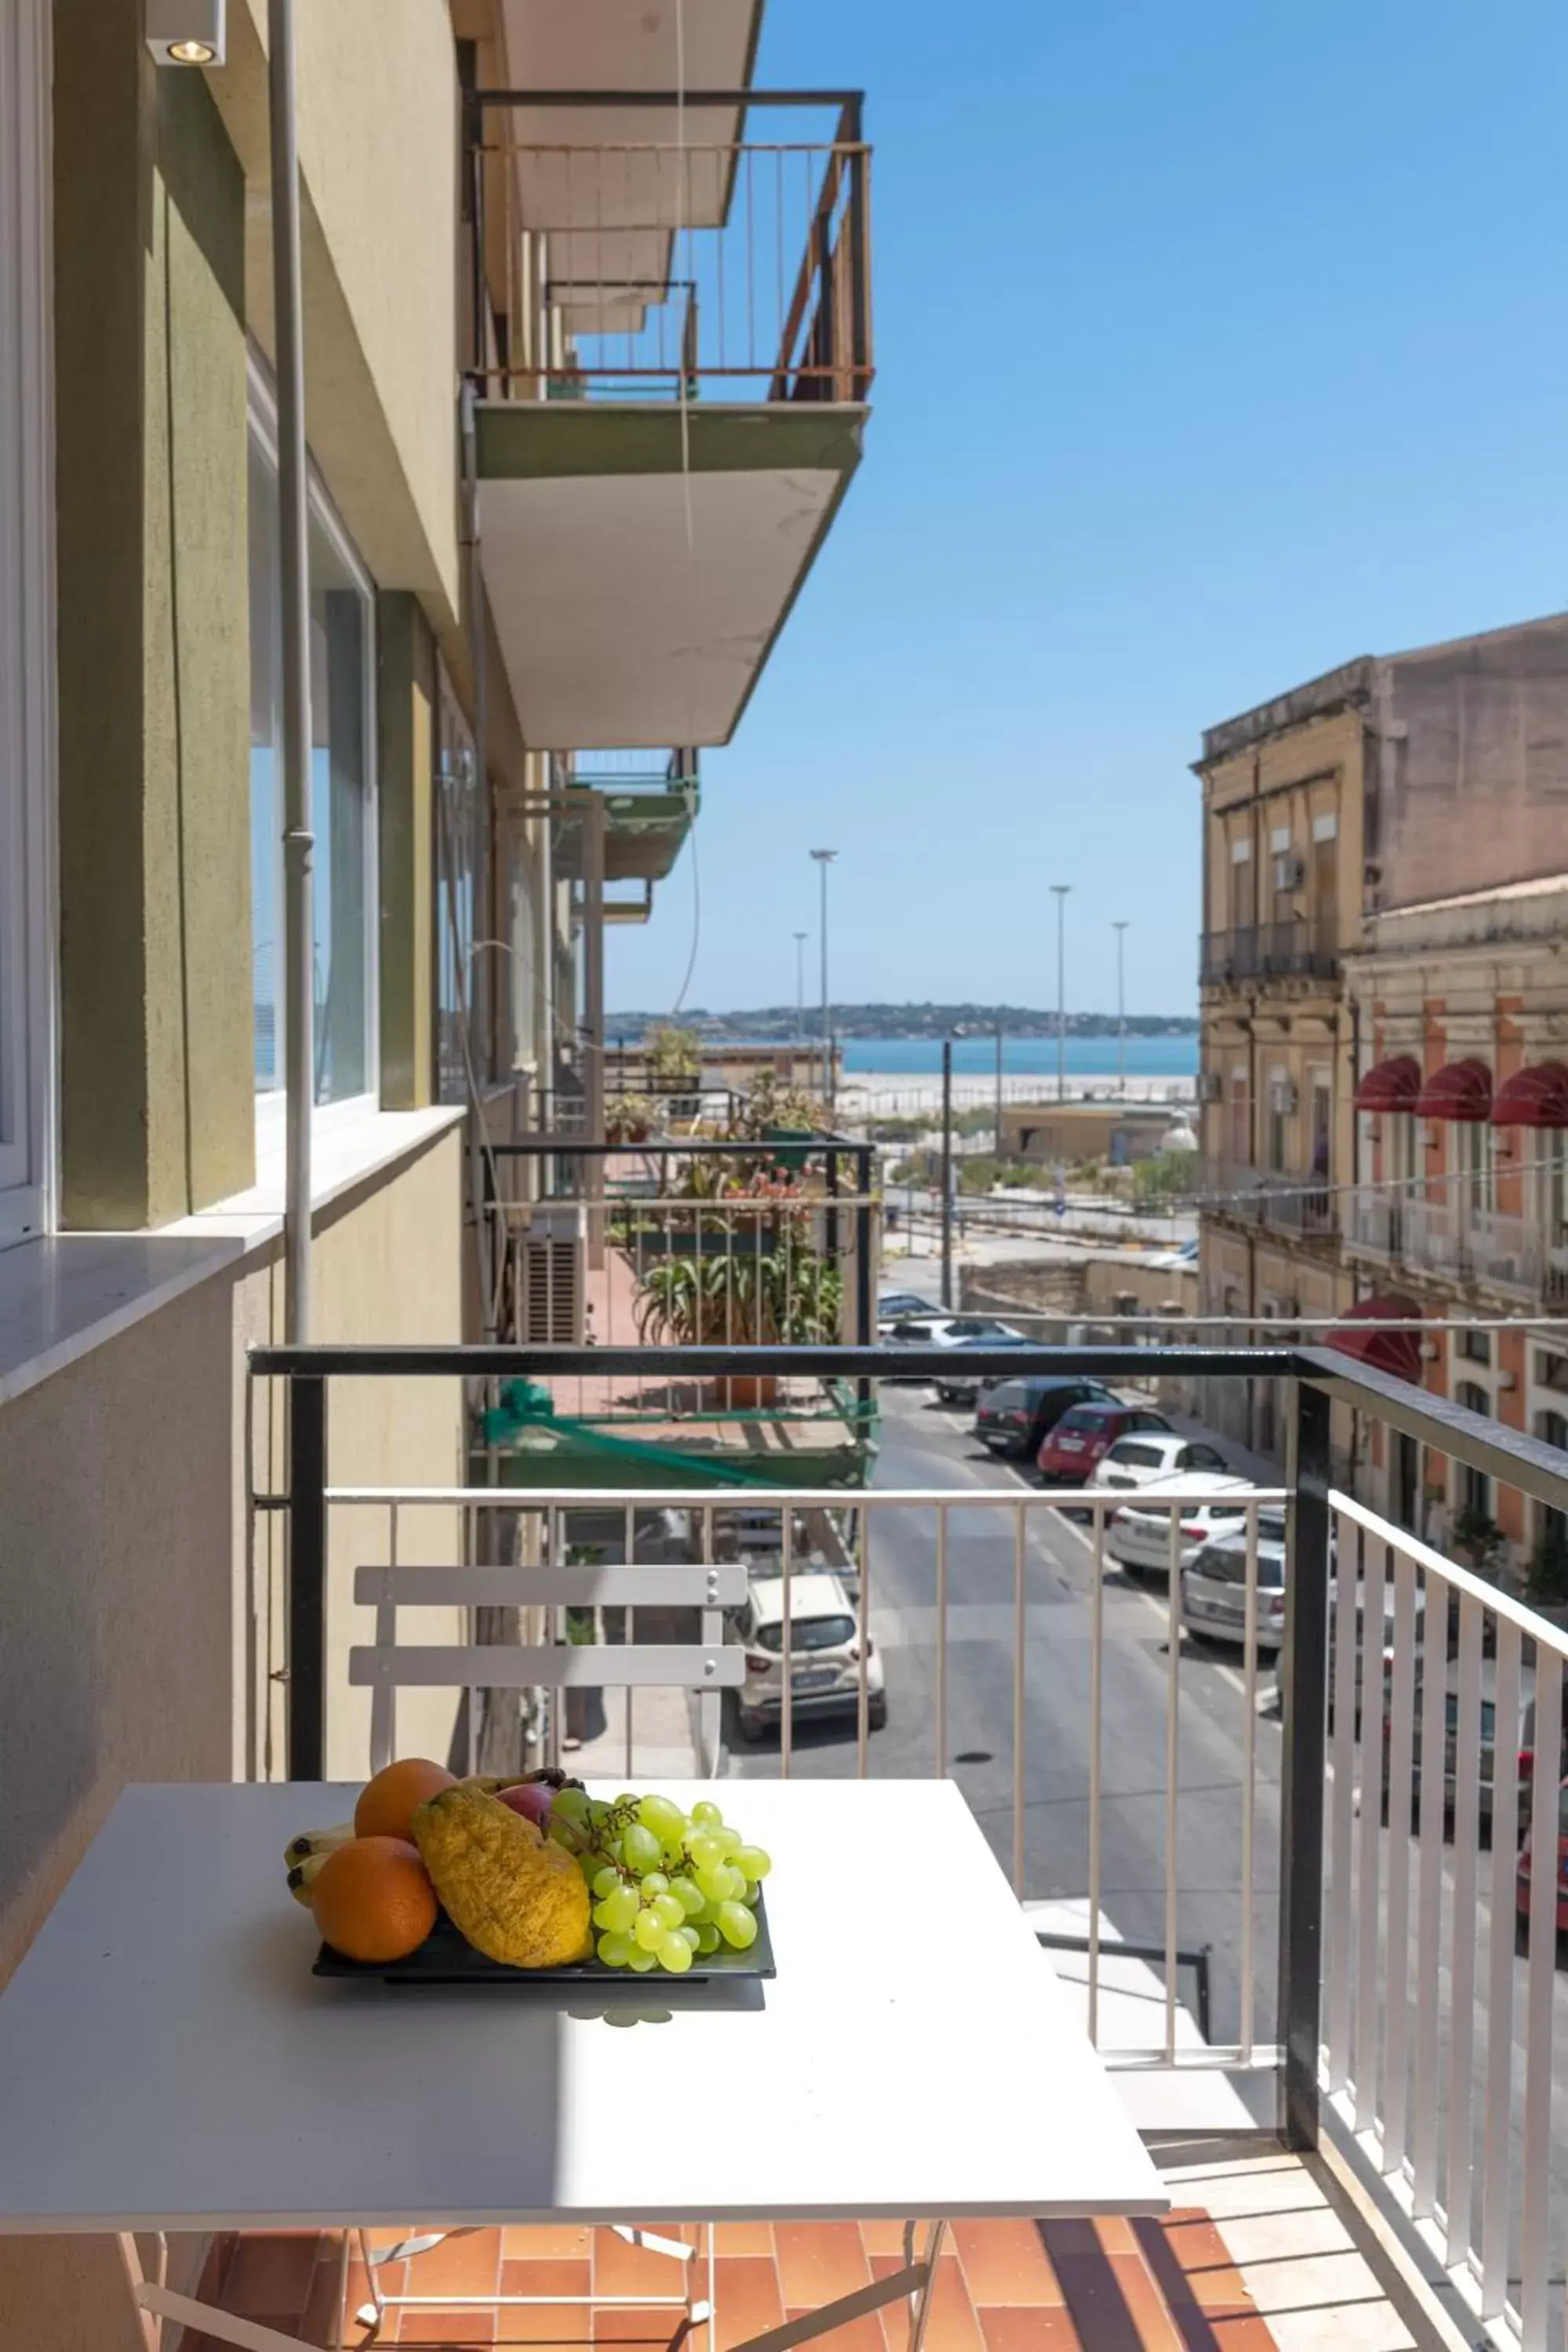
373, 1899
385, 1807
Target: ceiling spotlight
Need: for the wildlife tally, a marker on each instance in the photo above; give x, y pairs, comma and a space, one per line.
186, 32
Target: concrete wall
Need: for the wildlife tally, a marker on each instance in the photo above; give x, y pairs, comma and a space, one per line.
155, 1080
379, 164
1473, 782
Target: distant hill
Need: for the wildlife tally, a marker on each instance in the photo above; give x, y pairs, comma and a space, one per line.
770, 1021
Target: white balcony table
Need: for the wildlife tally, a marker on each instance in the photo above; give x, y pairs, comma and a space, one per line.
168, 2062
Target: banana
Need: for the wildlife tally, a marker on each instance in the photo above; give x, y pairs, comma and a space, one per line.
310, 1842
302, 1877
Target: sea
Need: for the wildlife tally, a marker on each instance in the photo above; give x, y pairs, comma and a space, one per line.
1022, 1058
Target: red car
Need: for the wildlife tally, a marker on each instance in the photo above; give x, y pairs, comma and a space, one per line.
1069, 1452
1521, 1882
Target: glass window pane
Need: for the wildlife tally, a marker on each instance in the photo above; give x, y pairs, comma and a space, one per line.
340, 795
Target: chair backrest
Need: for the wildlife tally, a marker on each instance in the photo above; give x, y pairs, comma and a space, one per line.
385, 1667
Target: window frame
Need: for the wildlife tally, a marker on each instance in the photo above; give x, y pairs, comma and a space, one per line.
261, 428
29, 798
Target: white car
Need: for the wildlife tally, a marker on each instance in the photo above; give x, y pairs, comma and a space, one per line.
823, 1661
1155, 1456
1213, 1585
1139, 1534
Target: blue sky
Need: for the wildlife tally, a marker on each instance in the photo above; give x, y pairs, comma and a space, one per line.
1217, 344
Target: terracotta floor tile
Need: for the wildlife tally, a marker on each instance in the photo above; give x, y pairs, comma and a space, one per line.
457, 2327
953, 2327
623, 2269
467, 2261
547, 2323
819, 2260
744, 2238
747, 2289
627, 2323
1004, 2261
285, 2322
270, 2274
885, 2237
863, 2334
1192, 2267
1029, 2327
1115, 2234
1238, 2331
1115, 2302
547, 2242
319, 2324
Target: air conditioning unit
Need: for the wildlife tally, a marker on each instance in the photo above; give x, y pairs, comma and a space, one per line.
546, 1277
1211, 1087
1282, 1098
1289, 872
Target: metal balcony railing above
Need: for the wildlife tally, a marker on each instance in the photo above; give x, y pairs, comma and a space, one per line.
1287, 1201
735, 269
1507, 1252
1305, 948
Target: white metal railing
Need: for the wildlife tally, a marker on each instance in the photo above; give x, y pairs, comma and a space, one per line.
1509, 1252
1424, 2079
772, 1533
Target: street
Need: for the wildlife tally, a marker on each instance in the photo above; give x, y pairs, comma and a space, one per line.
926, 1445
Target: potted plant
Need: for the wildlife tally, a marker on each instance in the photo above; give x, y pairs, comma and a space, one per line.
630, 1118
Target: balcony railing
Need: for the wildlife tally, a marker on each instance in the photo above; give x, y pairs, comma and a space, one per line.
1307, 948
1420, 1708
672, 269
1464, 1245
1285, 1201
664, 1242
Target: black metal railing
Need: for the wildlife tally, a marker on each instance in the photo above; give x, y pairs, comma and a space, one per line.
1304, 948
673, 264
1317, 1380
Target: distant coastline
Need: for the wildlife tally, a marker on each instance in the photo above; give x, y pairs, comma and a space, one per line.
855, 1025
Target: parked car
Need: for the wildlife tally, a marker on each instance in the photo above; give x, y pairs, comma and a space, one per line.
1520, 1732
953, 1331
1138, 1535
1214, 1587
905, 1306
823, 1663
962, 1388
1012, 1416
1523, 1873
1072, 1451
1155, 1457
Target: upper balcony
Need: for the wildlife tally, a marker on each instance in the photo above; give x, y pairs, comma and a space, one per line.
1287, 1203
1304, 949
1459, 1242
671, 371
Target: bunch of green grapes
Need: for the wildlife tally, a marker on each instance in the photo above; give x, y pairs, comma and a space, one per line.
668, 1886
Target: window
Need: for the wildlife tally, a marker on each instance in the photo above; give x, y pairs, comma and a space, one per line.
807, 1633
1551, 1180
1476, 1166
459, 870
1475, 1486
1202, 1457
1325, 868
1239, 1120
343, 799
1476, 1346
1242, 895
1280, 866
1279, 1095
1142, 1457
27, 630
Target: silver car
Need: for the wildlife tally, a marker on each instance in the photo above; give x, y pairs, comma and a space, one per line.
1214, 1587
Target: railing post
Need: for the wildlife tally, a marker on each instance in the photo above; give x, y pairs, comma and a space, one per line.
1303, 1672
852, 129
306, 1685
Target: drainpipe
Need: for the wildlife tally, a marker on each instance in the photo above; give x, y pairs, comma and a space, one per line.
298, 842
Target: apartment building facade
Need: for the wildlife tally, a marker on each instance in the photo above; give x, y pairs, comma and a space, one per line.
1378, 1036
486, 661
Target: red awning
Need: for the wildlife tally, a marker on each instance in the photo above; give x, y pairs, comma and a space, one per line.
1534, 1097
1390, 1086
1461, 1091
1397, 1353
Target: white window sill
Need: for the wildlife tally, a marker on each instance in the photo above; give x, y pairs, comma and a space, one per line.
66, 1294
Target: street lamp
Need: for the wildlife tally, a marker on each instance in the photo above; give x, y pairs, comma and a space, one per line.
1121, 930
1060, 892
825, 858
800, 940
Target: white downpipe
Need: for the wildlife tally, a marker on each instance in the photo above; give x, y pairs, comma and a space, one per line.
299, 841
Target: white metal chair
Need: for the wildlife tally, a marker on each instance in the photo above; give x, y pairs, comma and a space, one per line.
708, 1668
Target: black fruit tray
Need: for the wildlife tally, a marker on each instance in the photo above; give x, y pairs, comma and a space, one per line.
445, 1957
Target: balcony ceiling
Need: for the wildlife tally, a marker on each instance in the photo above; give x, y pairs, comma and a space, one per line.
628, 45
614, 631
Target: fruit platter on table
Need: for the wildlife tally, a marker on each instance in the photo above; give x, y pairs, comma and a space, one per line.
442, 1881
